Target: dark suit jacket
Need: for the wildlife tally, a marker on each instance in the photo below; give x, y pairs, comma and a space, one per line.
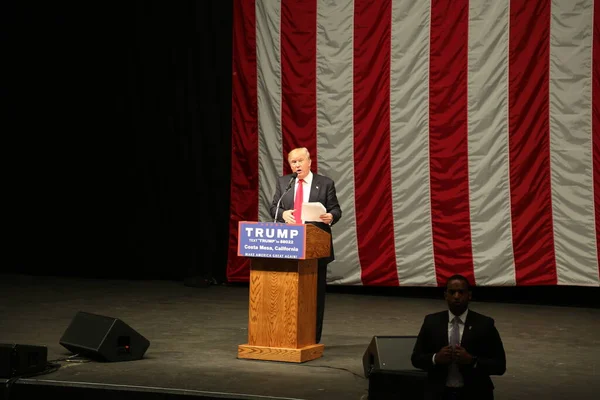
322, 190
480, 338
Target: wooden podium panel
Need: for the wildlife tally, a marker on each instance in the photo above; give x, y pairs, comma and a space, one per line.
280, 354
282, 311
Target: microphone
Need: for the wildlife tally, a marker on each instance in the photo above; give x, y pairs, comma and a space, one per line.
294, 176
289, 186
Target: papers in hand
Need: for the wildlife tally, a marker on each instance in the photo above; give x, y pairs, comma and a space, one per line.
312, 211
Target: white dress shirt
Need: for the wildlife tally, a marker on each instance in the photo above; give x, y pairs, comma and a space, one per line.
305, 189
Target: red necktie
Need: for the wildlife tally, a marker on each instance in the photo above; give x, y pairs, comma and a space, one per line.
298, 202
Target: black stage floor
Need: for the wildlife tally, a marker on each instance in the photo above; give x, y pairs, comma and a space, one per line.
552, 352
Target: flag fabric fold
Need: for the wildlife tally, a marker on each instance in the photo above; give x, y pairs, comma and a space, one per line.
463, 135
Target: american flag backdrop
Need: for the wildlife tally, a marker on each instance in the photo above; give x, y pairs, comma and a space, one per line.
463, 135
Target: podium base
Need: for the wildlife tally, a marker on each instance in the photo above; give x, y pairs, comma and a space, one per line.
284, 354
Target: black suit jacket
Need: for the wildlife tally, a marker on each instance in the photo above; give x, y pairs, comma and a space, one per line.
322, 190
480, 338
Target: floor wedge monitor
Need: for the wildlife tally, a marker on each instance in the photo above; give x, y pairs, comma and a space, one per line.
387, 364
103, 338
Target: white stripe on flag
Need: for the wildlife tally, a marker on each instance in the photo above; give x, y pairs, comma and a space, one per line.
335, 139
268, 65
409, 130
489, 186
571, 33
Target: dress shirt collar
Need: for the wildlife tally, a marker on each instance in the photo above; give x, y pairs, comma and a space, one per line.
308, 178
462, 317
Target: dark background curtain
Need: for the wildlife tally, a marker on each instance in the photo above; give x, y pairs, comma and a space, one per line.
117, 116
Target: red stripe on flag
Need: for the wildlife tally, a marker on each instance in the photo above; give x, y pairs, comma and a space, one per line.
596, 122
529, 143
299, 78
244, 134
448, 142
372, 173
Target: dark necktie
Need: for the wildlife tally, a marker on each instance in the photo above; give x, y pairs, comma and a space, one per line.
455, 332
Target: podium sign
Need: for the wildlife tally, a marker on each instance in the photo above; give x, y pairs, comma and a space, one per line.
271, 240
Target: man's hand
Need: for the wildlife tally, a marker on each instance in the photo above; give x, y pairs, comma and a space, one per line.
288, 217
444, 356
461, 356
326, 218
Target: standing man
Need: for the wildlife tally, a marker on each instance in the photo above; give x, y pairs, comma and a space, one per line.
308, 187
459, 348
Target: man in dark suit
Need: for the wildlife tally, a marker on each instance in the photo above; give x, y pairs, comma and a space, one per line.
459, 348
308, 187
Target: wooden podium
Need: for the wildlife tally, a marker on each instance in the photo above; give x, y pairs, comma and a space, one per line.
283, 304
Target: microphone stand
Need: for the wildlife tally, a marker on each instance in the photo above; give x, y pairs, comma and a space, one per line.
294, 175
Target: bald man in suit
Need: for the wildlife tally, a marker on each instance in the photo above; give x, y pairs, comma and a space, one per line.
459, 348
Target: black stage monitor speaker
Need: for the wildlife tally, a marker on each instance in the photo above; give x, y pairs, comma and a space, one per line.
22, 359
103, 338
387, 364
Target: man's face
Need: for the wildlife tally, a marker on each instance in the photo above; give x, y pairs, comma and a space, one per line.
299, 162
457, 296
